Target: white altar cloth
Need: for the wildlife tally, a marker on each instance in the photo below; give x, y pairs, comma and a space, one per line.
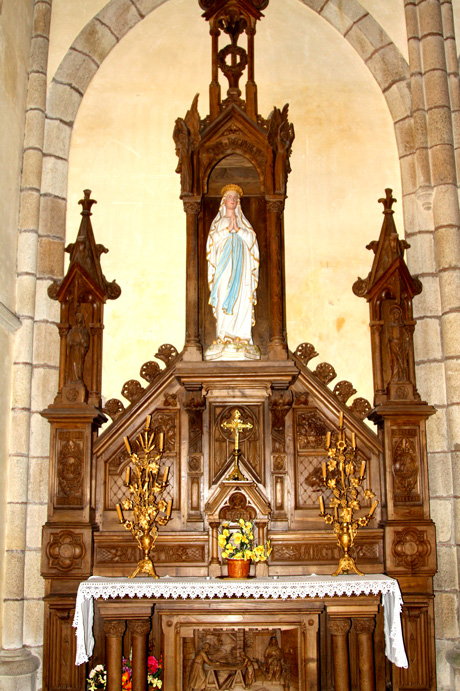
275, 587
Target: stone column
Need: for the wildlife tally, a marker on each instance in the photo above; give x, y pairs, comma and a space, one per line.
435, 257
339, 628
23, 617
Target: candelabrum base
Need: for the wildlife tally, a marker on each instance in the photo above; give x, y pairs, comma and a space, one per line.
347, 564
145, 566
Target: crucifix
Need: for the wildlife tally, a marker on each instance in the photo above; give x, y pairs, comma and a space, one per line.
236, 425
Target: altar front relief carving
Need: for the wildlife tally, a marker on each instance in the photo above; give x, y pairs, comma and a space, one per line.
290, 406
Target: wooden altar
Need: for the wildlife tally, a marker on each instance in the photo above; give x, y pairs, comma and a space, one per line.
290, 405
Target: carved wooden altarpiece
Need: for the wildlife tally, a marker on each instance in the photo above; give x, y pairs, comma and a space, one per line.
291, 405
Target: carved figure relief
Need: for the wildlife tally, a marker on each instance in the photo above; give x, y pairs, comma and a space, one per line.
405, 465
69, 469
398, 345
311, 430
237, 508
78, 341
266, 659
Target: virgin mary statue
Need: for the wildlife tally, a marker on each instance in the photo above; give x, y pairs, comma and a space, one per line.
232, 253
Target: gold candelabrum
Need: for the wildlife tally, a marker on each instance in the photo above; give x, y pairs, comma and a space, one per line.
340, 474
146, 492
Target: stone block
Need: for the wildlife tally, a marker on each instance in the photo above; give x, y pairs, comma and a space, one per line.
34, 129
95, 40
447, 246
46, 344
446, 615
21, 385
436, 431
439, 474
36, 91
13, 584
17, 478
44, 387
430, 382
440, 126
27, 252
442, 169
34, 583
404, 131
38, 479
409, 174
36, 517
338, 15
50, 258
427, 340
442, 515
19, 432
47, 310
398, 98
53, 216
42, 19
444, 672
63, 102
453, 418
388, 66
18, 669
120, 17
452, 369
76, 70
367, 36
32, 169
428, 303
436, 89
445, 207
450, 326
25, 295
456, 505
39, 53
433, 56
29, 208
12, 624
54, 179
57, 138
39, 437
15, 526
420, 255
33, 622
447, 576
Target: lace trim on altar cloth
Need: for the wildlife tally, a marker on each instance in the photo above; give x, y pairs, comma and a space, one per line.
284, 588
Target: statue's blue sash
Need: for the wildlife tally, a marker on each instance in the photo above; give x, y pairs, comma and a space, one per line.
232, 251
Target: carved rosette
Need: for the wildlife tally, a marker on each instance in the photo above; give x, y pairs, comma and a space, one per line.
360, 407
344, 390
411, 548
113, 408
132, 390
167, 353
150, 371
65, 550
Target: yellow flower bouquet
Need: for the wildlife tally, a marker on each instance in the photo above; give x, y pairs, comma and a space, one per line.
239, 543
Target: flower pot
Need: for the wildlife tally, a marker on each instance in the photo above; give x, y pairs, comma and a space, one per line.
238, 568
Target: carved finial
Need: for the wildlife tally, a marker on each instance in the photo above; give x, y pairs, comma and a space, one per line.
87, 203
387, 201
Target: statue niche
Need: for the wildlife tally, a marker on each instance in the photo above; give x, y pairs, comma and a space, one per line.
234, 145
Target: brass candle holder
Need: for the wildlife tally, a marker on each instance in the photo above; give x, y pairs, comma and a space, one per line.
146, 492
340, 475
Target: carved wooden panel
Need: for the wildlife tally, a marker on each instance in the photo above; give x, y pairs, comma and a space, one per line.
405, 465
66, 550
69, 468
60, 671
316, 549
417, 630
222, 441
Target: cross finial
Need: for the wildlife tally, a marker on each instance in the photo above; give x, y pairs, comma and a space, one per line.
387, 201
236, 425
87, 203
